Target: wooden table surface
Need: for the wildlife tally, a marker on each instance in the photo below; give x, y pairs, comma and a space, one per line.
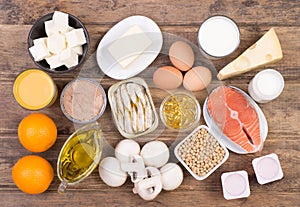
181, 18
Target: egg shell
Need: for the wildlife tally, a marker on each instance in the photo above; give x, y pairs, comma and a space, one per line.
197, 78
171, 175
126, 149
167, 77
155, 154
110, 172
181, 55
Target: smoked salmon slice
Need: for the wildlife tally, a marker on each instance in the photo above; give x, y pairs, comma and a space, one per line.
235, 117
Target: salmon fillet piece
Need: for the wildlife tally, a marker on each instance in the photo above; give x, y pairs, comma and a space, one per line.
235, 117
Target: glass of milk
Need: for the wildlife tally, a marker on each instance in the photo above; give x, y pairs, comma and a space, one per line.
266, 86
218, 37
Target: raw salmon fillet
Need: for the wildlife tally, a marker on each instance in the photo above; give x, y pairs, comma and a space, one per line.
235, 117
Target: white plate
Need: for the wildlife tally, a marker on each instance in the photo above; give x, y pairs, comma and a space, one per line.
110, 66
263, 125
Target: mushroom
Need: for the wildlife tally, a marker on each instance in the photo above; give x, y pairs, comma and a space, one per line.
135, 168
149, 187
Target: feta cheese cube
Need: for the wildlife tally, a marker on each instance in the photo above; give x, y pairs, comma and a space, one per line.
69, 58
78, 50
54, 61
70, 29
50, 28
42, 40
39, 52
61, 21
75, 38
56, 43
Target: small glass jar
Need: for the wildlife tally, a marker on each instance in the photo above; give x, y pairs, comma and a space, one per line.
180, 111
83, 100
34, 89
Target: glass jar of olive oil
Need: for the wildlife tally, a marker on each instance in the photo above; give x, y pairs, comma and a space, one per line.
79, 156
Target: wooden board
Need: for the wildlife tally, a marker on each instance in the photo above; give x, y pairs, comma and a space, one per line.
181, 18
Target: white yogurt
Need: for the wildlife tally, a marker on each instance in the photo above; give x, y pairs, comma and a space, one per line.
218, 36
267, 169
235, 185
266, 86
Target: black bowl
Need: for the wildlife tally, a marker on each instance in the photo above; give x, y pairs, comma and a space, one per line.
38, 31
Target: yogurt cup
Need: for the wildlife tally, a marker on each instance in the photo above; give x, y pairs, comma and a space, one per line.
266, 86
218, 37
34, 89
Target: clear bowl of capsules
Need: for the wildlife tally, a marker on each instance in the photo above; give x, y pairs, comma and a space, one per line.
180, 111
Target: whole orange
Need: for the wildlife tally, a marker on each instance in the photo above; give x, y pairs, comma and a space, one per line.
37, 132
32, 174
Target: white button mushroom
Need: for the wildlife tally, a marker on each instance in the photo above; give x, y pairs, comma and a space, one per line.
150, 187
172, 176
155, 154
111, 173
126, 149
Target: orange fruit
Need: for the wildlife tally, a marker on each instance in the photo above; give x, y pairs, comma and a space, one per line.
32, 174
37, 132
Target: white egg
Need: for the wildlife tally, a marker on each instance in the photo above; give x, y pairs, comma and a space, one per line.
171, 175
111, 173
126, 149
155, 154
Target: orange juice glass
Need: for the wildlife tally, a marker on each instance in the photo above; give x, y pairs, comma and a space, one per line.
34, 89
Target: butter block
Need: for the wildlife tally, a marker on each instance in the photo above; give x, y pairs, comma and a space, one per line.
78, 50
61, 21
56, 43
39, 51
69, 57
50, 28
54, 61
129, 46
265, 51
75, 37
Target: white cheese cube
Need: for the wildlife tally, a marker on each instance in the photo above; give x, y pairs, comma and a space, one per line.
61, 21
70, 29
39, 52
54, 61
129, 46
78, 50
50, 28
69, 58
56, 43
75, 38
42, 40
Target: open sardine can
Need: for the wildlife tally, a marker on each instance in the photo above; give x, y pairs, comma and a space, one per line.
79, 155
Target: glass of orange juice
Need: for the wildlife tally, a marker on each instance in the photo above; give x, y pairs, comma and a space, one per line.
34, 89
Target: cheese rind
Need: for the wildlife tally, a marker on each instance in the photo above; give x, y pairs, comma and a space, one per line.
265, 51
129, 46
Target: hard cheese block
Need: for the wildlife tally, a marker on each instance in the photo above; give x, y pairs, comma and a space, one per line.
130, 46
266, 50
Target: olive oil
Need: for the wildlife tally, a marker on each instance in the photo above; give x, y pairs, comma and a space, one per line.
79, 155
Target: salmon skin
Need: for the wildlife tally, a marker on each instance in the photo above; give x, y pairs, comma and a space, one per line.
235, 117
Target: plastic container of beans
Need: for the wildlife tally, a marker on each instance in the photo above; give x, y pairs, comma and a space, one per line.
201, 153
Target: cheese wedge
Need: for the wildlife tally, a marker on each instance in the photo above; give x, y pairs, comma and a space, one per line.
266, 50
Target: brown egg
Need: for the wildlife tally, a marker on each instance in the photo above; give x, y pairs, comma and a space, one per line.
167, 77
181, 55
197, 78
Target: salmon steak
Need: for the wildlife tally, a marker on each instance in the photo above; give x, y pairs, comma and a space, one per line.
235, 117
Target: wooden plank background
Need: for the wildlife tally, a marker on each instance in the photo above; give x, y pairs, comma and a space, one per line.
182, 18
